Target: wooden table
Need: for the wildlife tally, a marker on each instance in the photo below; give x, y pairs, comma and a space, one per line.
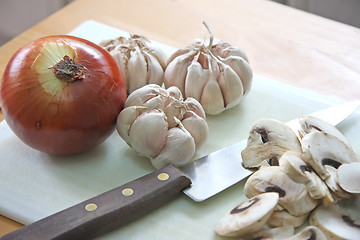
282, 43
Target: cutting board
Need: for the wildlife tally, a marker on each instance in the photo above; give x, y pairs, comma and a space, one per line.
34, 185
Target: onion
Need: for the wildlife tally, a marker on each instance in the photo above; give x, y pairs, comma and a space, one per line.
61, 94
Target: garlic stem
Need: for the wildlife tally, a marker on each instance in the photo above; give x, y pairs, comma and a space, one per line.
211, 35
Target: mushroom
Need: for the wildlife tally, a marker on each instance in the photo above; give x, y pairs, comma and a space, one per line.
323, 149
295, 166
249, 216
335, 223
284, 218
294, 197
348, 177
283, 232
332, 183
310, 124
310, 232
268, 140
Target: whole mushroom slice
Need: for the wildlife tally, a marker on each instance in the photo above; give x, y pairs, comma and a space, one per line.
295, 166
310, 232
268, 139
335, 223
284, 218
293, 196
348, 177
310, 124
248, 217
323, 149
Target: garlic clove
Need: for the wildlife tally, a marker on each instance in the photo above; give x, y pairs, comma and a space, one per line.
125, 120
147, 127
197, 127
138, 68
155, 103
179, 148
179, 52
242, 69
231, 86
196, 79
175, 93
122, 60
155, 73
172, 94
175, 72
174, 110
212, 99
158, 53
191, 104
142, 95
225, 50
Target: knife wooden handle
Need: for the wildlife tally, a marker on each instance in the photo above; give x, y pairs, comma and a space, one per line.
109, 210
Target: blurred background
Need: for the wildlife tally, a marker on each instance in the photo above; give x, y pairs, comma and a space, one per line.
18, 15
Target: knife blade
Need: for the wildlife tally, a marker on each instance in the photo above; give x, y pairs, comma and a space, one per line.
199, 180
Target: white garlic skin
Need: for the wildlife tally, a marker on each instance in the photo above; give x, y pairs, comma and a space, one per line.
218, 76
159, 124
141, 62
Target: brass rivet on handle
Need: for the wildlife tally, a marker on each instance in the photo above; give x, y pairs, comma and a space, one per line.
163, 176
127, 192
90, 207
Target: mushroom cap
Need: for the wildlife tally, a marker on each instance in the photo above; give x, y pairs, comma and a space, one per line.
295, 166
283, 232
334, 154
332, 183
294, 197
283, 217
268, 138
335, 223
310, 232
348, 177
310, 124
249, 216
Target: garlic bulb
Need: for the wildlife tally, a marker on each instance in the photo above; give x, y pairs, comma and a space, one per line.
218, 75
140, 61
161, 125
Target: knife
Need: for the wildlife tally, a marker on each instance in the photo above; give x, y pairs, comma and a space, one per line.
199, 180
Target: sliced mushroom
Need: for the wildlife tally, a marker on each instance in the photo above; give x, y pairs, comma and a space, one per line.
284, 218
323, 149
348, 177
295, 166
310, 232
333, 184
310, 124
268, 140
283, 232
294, 197
248, 217
335, 223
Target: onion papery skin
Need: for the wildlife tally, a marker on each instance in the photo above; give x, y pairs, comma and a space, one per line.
55, 116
